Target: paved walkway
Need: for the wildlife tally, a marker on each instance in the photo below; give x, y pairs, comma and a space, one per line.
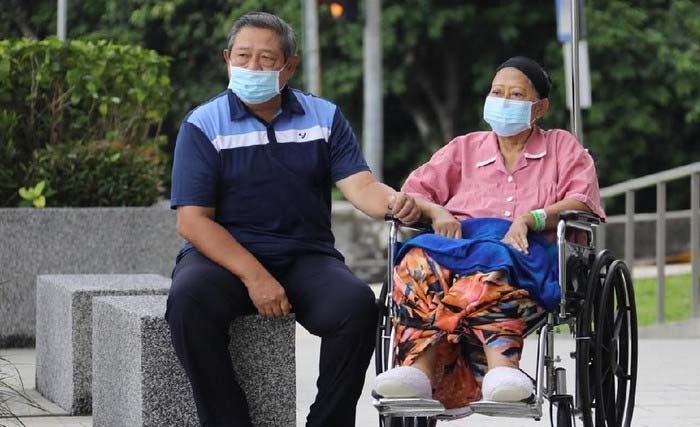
650, 271
668, 390
667, 395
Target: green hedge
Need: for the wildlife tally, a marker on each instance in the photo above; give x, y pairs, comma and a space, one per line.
72, 95
99, 173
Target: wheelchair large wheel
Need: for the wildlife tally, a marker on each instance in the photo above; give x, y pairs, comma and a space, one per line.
382, 352
585, 331
382, 355
564, 416
606, 346
382, 340
615, 354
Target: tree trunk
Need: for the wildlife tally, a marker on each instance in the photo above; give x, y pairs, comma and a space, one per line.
444, 102
20, 19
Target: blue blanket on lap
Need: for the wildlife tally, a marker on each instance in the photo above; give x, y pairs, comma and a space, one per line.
481, 249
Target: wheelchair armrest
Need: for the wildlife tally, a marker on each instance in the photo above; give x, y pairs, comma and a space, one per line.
417, 226
580, 216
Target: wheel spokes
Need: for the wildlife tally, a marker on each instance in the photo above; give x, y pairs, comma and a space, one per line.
619, 321
615, 349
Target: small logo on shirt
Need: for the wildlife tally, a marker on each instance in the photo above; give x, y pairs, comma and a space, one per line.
302, 135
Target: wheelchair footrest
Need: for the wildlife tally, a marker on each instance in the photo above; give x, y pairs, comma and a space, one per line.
507, 409
409, 407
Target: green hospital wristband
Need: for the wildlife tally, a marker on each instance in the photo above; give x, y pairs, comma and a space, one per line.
539, 218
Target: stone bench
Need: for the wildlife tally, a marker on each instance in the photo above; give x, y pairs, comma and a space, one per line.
64, 330
138, 381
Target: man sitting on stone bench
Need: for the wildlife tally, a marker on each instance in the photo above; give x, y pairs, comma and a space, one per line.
251, 183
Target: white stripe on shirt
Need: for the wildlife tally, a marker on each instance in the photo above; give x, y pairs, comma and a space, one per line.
223, 142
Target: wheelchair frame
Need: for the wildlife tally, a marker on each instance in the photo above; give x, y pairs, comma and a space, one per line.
596, 293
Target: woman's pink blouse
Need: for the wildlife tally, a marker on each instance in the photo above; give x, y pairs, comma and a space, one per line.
469, 178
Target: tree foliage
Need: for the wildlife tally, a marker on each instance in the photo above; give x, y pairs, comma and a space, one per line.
55, 93
439, 58
646, 62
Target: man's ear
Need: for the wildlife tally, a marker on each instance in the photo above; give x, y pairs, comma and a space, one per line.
292, 65
289, 70
227, 56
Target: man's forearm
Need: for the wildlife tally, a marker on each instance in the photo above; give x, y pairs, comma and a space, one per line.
376, 199
367, 194
217, 244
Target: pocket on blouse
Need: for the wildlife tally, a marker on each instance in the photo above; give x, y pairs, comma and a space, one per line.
546, 194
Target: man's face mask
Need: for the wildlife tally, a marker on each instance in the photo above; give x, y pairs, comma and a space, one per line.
507, 117
254, 86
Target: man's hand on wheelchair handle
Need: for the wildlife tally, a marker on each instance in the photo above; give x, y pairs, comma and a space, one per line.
404, 208
267, 295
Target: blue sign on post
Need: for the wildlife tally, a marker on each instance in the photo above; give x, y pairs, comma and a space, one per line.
563, 9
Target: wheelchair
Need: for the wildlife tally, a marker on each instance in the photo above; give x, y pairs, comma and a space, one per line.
597, 305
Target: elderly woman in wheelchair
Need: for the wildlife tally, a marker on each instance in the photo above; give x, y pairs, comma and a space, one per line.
464, 296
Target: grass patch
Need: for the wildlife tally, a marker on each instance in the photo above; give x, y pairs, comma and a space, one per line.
678, 299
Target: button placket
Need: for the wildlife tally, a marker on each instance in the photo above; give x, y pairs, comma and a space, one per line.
509, 204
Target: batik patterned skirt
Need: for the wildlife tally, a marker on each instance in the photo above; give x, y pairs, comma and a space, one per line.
459, 315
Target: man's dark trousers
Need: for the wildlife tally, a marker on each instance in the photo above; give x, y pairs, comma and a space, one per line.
327, 300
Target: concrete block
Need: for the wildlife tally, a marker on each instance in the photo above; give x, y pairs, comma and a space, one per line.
64, 331
75, 241
127, 240
138, 381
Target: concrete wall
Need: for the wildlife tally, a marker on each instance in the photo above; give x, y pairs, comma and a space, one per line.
362, 240
75, 241
144, 240
122, 240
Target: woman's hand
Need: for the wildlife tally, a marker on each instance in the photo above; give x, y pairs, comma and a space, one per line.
517, 235
444, 224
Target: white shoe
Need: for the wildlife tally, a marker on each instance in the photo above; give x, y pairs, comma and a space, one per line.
403, 382
504, 384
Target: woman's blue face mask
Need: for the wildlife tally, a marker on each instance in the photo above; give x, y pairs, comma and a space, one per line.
254, 86
507, 117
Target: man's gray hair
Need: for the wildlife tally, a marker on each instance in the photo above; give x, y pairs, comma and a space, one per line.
287, 38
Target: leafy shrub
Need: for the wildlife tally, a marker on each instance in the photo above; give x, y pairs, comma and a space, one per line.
63, 93
100, 173
11, 167
33, 196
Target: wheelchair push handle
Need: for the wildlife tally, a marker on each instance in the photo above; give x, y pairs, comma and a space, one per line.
417, 226
580, 216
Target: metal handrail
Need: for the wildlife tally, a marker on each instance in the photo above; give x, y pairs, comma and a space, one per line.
659, 180
649, 180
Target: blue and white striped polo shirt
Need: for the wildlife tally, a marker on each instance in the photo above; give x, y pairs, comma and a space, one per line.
269, 183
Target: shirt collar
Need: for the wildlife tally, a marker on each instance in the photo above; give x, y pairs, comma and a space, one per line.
290, 105
536, 147
488, 151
